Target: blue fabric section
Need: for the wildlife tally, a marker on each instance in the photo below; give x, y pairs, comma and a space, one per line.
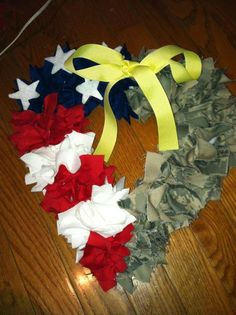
65, 84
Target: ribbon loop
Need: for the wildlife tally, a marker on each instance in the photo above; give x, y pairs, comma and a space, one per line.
112, 67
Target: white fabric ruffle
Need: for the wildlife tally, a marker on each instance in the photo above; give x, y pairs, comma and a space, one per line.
43, 163
101, 214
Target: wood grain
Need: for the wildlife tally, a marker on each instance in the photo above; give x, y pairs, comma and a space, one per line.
38, 274
14, 297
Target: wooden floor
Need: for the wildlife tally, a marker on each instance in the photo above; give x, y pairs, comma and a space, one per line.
38, 274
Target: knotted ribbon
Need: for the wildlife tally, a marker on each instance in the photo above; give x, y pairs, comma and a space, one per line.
111, 67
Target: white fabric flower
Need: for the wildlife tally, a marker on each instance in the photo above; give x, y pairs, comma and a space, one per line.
43, 163
101, 214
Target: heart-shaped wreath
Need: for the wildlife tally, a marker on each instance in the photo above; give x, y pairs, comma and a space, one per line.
122, 236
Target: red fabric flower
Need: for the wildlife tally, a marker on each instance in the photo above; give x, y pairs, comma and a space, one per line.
32, 130
106, 256
69, 189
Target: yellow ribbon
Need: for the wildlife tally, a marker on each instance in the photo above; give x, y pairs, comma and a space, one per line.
112, 67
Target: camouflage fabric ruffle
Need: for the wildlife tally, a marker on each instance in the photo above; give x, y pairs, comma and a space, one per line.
178, 184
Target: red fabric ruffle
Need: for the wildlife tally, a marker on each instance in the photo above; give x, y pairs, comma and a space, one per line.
69, 189
33, 130
105, 257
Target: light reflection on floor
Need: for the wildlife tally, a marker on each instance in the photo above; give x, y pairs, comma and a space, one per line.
85, 277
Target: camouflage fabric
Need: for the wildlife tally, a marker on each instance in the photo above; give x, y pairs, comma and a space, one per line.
178, 184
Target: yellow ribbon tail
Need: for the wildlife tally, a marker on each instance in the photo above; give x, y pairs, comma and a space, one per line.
109, 134
111, 67
155, 94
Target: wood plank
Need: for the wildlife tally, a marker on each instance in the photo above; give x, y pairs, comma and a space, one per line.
135, 43
216, 238
116, 15
228, 199
203, 26
78, 23
13, 295
192, 275
159, 297
162, 25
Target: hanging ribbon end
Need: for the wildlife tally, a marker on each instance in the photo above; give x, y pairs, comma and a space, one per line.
168, 146
106, 155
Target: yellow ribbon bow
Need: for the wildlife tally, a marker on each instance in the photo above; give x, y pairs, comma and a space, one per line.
112, 67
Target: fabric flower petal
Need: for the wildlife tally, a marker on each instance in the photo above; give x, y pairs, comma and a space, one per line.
32, 130
69, 189
44, 163
104, 217
105, 257
102, 214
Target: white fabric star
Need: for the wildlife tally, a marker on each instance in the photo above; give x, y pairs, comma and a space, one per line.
59, 59
25, 92
89, 88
